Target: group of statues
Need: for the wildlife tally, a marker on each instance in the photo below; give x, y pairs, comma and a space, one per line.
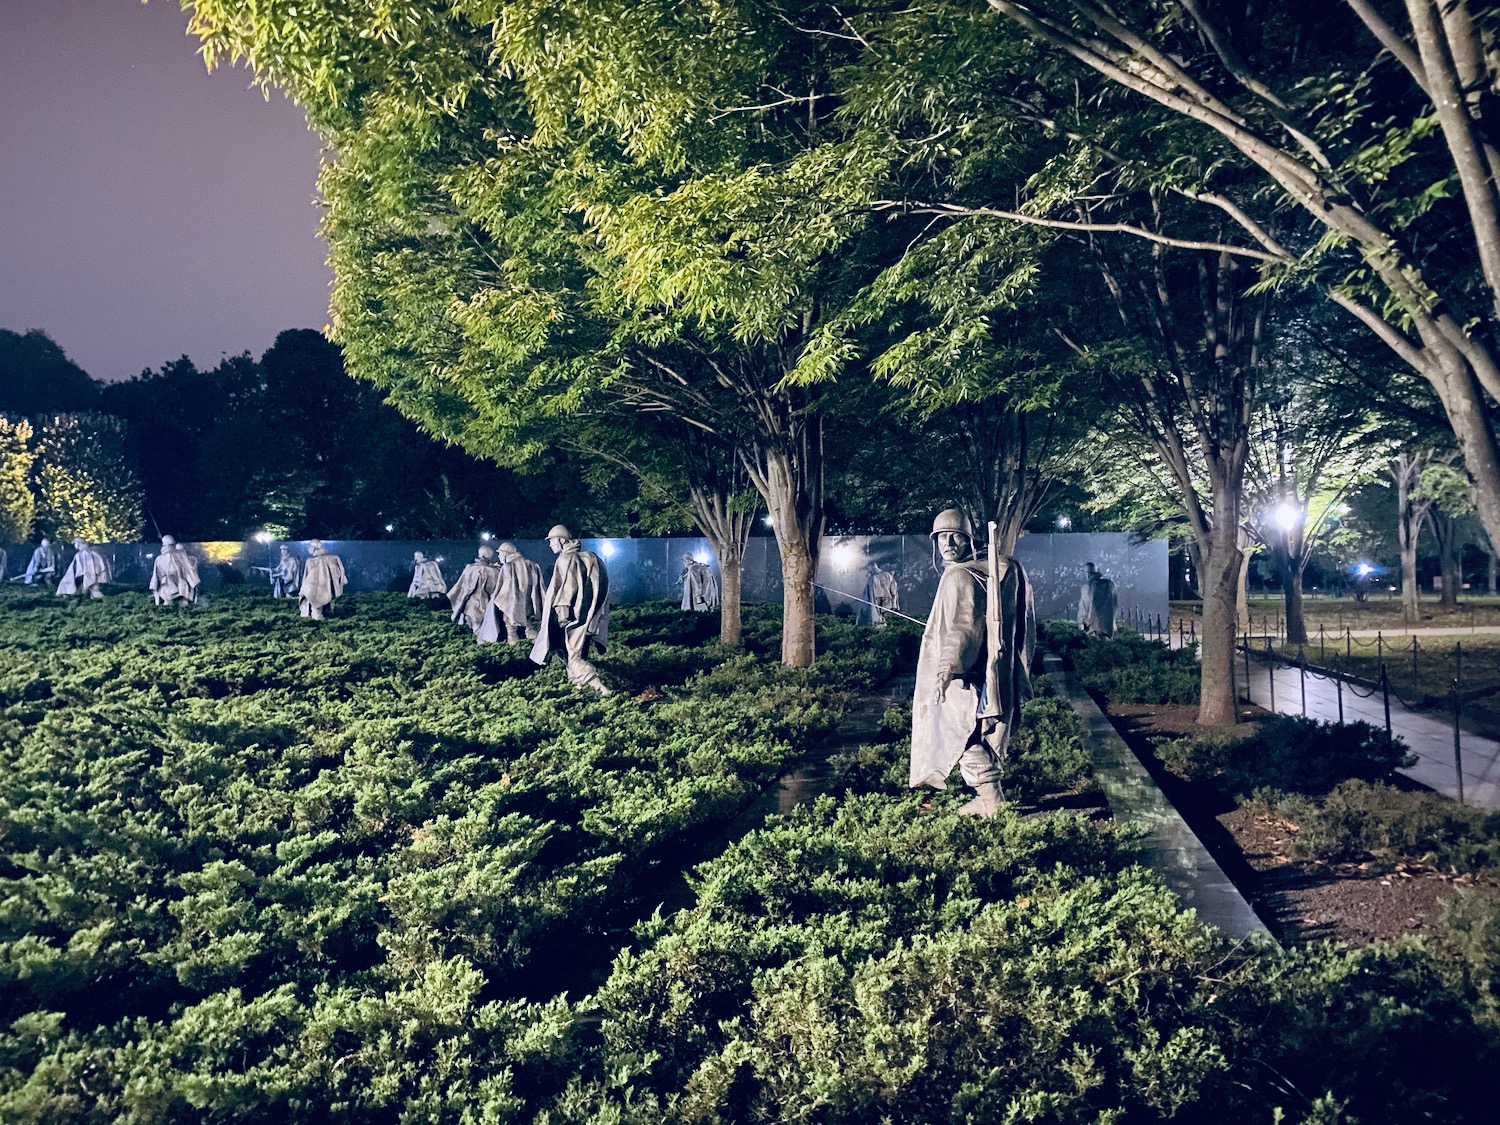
500, 597
972, 669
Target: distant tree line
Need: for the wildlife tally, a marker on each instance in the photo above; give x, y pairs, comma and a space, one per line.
287, 443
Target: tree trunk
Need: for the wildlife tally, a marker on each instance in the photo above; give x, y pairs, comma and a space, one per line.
794, 497
1406, 471
730, 576
1411, 606
798, 630
1219, 579
1445, 531
1291, 595
728, 531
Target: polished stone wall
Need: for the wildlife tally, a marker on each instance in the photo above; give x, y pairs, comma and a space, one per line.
641, 569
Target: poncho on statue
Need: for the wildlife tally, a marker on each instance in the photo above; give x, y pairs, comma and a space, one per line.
323, 580
426, 578
1096, 604
518, 601
43, 564
973, 672
286, 576
881, 593
700, 587
475, 589
174, 575
575, 609
86, 573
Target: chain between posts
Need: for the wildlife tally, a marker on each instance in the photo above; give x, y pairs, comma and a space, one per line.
1383, 685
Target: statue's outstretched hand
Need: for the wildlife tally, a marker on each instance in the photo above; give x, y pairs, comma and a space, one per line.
943, 680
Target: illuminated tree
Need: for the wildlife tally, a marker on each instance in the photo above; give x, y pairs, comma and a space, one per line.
17, 502
84, 480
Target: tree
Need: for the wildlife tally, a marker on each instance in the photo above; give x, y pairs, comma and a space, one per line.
84, 480
290, 443
683, 479
17, 502
1185, 374
1406, 470
1311, 445
532, 215
1448, 495
1392, 172
37, 377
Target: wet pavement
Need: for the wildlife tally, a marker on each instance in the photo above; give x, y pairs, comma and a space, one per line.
1429, 736
1171, 848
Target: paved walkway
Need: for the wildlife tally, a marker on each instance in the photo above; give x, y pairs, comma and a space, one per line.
1171, 848
1429, 738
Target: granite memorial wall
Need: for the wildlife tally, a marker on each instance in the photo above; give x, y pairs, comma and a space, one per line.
642, 569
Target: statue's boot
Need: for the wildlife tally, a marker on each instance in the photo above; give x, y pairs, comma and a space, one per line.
986, 802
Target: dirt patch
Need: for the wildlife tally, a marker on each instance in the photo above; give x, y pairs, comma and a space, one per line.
1300, 901
1355, 903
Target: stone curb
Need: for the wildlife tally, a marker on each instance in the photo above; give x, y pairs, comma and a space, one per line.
1170, 848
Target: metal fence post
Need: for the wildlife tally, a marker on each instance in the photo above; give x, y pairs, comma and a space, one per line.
1271, 671
1458, 753
1348, 642
1338, 686
1302, 677
1247, 670
1380, 647
1385, 692
1234, 691
1414, 665
1322, 656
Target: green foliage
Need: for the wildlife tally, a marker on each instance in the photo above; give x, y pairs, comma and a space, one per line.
17, 503
1128, 668
85, 479
1470, 936
1290, 753
860, 962
1361, 821
305, 860
258, 868
1046, 754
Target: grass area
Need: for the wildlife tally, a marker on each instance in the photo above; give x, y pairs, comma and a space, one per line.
1382, 611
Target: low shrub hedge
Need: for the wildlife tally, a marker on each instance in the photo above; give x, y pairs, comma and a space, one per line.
1289, 753
1128, 668
1361, 821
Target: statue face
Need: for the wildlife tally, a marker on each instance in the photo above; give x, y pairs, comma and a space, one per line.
556, 543
953, 546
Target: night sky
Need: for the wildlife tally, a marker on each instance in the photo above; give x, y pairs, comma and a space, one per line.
148, 209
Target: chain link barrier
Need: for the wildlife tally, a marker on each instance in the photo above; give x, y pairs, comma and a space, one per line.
1343, 680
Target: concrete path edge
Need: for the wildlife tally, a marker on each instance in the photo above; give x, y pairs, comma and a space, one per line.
1171, 848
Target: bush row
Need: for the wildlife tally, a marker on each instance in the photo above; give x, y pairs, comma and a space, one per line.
221, 820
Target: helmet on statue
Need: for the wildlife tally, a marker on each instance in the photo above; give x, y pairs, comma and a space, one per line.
951, 519
559, 532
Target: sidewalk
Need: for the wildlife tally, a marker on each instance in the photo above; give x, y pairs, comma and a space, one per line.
1429, 738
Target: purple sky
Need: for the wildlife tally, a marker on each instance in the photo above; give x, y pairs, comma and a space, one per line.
147, 208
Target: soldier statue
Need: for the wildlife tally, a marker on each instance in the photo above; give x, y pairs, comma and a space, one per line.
973, 668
